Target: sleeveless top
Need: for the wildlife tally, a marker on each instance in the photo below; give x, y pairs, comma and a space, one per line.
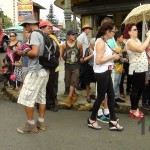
72, 56
138, 62
100, 68
16, 57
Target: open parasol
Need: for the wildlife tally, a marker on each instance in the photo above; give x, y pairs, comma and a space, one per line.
138, 14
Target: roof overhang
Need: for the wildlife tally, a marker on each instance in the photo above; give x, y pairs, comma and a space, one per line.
38, 6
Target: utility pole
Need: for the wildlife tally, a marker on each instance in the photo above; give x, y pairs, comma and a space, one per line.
67, 14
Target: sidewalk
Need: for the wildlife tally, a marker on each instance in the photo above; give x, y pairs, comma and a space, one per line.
81, 103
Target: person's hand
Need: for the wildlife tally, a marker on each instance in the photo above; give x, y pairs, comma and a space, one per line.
125, 59
81, 60
146, 82
116, 56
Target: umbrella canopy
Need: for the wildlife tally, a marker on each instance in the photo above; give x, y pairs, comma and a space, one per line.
20, 28
55, 29
138, 14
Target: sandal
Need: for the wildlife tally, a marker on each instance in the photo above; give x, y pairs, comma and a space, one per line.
91, 125
115, 127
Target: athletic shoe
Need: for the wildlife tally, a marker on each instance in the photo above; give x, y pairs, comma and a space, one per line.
103, 119
41, 125
27, 128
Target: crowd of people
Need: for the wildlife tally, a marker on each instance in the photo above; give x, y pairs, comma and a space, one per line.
104, 60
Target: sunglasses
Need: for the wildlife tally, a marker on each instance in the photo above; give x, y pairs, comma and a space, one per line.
12, 36
134, 29
113, 31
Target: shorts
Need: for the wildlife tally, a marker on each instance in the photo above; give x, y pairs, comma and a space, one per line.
34, 88
71, 77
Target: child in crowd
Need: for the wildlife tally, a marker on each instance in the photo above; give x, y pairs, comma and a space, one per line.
118, 66
6, 73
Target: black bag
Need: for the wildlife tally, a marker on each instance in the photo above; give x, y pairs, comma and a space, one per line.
49, 59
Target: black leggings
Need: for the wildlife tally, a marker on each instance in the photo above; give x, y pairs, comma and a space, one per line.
138, 80
104, 85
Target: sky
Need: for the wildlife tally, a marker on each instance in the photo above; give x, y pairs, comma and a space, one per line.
59, 13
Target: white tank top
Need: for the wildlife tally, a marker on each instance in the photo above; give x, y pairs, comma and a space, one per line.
102, 67
138, 61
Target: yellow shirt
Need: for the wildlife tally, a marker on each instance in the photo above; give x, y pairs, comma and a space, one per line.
118, 66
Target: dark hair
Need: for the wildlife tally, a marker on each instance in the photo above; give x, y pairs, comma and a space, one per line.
13, 33
128, 28
104, 27
105, 20
117, 35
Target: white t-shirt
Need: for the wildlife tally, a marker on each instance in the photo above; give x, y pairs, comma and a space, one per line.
138, 61
83, 39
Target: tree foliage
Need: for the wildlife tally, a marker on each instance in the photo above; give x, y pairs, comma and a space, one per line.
51, 17
7, 22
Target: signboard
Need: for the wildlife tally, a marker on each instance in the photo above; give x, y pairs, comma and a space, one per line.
24, 1
24, 13
25, 7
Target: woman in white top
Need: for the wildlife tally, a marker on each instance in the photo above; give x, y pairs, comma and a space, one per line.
138, 65
103, 64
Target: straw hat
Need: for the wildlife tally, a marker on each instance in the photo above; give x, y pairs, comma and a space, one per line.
29, 19
87, 26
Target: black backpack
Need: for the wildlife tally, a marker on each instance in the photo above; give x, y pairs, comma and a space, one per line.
49, 59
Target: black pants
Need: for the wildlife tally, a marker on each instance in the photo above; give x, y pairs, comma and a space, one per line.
52, 89
82, 80
104, 85
138, 81
125, 73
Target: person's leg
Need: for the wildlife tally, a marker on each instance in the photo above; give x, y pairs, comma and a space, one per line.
138, 80
29, 113
68, 73
50, 99
102, 82
116, 84
121, 85
111, 99
88, 90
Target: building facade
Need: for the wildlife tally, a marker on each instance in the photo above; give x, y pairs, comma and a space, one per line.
93, 11
9, 8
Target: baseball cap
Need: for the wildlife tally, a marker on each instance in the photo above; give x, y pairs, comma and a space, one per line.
45, 23
71, 32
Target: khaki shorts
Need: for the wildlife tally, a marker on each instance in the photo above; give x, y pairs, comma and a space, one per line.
71, 77
34, 88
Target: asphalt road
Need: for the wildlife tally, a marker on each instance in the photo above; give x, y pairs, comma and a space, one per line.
67, 130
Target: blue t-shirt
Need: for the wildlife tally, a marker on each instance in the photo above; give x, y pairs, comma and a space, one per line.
112, 43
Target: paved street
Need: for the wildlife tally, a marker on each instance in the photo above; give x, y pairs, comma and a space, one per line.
67, 130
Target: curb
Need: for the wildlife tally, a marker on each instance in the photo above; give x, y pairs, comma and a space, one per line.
61, 104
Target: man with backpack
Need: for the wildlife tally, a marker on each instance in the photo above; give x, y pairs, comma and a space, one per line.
34, 87
52, 85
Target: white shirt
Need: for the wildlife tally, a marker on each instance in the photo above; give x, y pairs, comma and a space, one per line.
138, 61
83, 39
102, 67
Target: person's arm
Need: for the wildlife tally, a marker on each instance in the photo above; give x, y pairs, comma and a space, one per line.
80, 51
133, 46
88, 57
100, 50
62, 50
